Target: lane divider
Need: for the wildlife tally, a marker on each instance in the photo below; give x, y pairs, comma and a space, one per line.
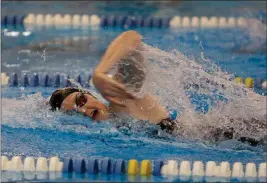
92, 166
133, 167
263, 170
119, 167
145, 168
124, 21
16, 163
210, 166
250, 82
157, 167
106, 166
198, 168
238, 170
4, 163
41, 164
13, 20
80, 166
68, 165
170, 168
39, 80
29, 164
185, 168
251, 170
225, 169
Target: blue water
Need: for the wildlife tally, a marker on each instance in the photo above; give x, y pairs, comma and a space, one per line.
76, 136
223, 46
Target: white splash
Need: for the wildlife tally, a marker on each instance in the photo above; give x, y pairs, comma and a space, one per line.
169, 76
172, 75
26, 111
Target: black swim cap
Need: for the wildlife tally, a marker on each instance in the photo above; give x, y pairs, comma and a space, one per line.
59, 95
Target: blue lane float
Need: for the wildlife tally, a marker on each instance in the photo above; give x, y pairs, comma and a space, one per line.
258, 82
57, 82
166, 22
35, 80
131, 22
4, 20
157, 167
119, 167
68, 165
148, 22
120, 21
92, 166
111, 21
80, 166
104, 21
139, 21
106, 166
134, 21
12, 20
46, 81
18, 19
15, 80
157, 22
26, 80
40, 80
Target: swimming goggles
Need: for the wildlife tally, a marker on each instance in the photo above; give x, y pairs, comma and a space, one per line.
81, 99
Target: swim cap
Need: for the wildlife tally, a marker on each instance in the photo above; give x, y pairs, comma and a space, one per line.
59, 96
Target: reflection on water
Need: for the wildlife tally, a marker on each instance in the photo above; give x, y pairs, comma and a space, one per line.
58, 176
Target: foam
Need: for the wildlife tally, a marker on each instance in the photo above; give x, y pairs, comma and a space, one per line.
206, 79
183, 75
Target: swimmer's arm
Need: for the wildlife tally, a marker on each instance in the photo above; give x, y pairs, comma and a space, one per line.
110, 89
118, 49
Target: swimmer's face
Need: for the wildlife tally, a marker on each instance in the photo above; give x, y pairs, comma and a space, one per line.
87, 105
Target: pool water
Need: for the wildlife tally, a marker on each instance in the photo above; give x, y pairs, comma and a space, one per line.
33, 132
229, 48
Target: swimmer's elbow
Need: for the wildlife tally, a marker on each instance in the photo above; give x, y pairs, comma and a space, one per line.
133, 35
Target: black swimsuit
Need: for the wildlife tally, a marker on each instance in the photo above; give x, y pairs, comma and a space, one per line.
169, 126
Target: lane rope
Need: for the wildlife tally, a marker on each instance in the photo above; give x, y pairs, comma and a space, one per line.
58, 80
133, 167
124, 21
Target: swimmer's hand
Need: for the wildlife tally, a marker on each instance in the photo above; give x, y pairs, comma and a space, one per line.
111, 90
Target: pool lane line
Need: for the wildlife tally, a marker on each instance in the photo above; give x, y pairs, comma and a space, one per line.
133, 167
59, 80
84, 20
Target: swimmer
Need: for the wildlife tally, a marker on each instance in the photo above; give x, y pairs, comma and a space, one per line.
125, 49
125, 55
